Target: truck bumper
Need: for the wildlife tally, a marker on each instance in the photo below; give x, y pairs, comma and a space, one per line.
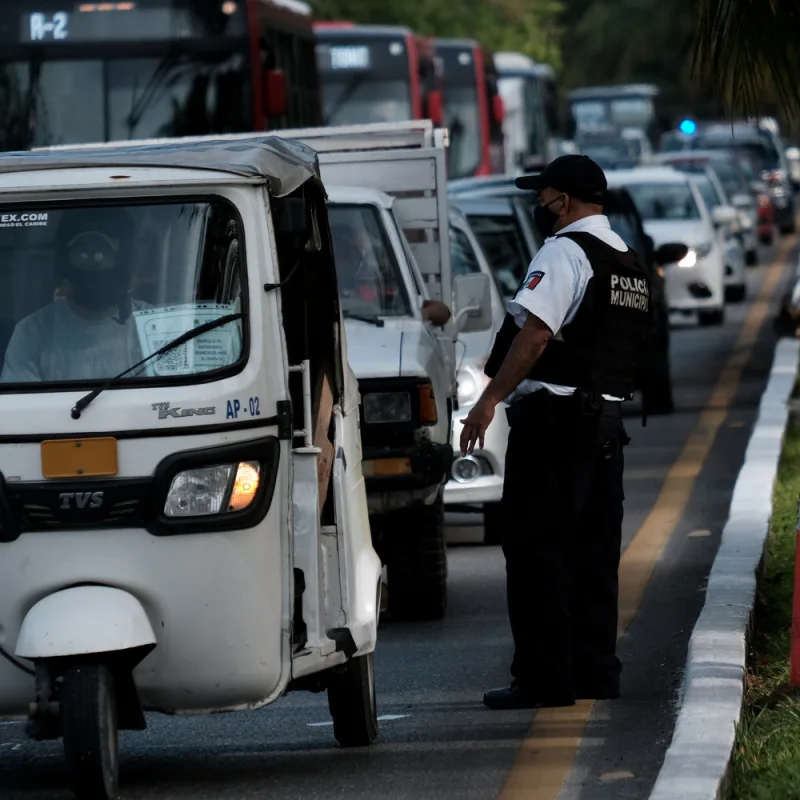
397, 477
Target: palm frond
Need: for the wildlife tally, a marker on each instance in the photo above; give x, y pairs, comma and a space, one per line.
748, 50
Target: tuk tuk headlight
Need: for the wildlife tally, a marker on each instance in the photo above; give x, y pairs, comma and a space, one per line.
213, 490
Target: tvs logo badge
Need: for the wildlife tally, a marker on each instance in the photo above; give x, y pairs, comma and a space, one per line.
534, 280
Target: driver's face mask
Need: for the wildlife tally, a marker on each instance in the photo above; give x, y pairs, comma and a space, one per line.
94, 270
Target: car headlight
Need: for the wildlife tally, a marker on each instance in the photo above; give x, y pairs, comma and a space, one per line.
471, 383
219, 489
383, 407
695, 254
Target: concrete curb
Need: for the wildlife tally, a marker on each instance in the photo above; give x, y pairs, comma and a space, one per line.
696, 763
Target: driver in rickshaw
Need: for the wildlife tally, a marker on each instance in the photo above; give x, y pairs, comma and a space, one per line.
87, 332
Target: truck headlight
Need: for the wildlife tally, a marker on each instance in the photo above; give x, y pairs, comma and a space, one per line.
383, 407
213, 490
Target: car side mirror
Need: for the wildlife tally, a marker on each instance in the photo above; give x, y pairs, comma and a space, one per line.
724, 215
473, 302
670, 253
275, 102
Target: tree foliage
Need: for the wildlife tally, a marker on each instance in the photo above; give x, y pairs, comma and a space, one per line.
526, 26
747, 50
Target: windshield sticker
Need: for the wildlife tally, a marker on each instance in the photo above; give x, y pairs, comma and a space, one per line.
31, 220
166, 411
214, 349
250, 408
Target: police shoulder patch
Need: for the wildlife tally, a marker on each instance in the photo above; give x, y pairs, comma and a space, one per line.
534, 279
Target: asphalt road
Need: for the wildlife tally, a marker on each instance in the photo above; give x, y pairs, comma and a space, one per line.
437, 740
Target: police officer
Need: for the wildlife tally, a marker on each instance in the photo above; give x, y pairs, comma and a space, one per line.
564, 360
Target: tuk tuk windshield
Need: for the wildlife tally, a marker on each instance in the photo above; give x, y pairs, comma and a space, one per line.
370, 281
90, 291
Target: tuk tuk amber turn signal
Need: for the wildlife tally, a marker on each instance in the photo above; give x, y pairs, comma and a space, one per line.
245, 486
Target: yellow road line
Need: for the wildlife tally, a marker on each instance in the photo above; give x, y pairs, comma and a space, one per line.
548, 750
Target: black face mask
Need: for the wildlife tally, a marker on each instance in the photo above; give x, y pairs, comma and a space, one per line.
97, 289
545, 219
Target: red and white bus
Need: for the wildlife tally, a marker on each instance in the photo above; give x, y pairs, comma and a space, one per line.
473, 108
73, 71
376, 73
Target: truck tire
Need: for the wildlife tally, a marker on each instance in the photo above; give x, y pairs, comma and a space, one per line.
89, 725
493, 523
416, 562
351, 700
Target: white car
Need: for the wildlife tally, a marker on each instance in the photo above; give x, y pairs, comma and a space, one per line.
728, 233
477, 479
672, 210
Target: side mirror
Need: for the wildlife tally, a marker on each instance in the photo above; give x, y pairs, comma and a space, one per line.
498, 109
742, 201
670, 253
793, 153
435, 107
275, 102
724, 215
472, 301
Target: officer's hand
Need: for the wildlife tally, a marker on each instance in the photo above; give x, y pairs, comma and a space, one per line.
475, 425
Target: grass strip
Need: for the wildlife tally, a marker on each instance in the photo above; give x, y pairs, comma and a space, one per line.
766, 761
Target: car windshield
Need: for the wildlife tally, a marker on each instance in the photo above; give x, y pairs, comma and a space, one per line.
89, 291
66, 101
760, 156
707, 191
370, 281
503, 245
463, 260
664, 201
463, 122
360, 100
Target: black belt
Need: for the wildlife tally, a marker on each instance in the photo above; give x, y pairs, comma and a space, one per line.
610, 409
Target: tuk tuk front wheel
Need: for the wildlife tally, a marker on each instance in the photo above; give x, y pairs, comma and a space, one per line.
89, 724
351, 700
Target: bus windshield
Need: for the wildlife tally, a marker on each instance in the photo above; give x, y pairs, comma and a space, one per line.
362, 99
364, 79
659, 202
70, 101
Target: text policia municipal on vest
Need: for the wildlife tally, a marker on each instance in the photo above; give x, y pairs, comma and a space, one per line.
629, 292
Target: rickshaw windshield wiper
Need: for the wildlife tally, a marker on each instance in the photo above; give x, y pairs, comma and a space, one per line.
372, 319
177, 342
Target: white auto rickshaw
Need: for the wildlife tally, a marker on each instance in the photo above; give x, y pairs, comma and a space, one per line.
183, 521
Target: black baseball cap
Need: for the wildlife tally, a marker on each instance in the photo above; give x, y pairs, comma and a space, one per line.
575, 175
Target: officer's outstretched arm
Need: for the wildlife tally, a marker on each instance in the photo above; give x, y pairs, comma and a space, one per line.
528, 346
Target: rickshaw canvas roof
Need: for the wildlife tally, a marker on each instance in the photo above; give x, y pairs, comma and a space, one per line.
284, 164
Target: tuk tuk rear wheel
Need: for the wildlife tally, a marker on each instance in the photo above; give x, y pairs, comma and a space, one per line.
89, 724
351, 700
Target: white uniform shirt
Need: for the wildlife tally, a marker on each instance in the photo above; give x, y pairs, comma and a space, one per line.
554, 287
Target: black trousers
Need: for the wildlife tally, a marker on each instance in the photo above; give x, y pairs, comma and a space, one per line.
562, 503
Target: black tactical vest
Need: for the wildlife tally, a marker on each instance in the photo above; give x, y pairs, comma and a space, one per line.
603, 348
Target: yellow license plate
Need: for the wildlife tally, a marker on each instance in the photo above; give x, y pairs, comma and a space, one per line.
79, 458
